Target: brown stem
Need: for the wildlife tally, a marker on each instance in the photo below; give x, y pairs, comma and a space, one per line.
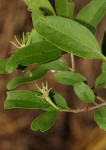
95, 103
73, 62
83, 110
70, 69
101, 99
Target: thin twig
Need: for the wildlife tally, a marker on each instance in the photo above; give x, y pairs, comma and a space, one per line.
70, 69
101, 99
73, 62
95, 103
83, 110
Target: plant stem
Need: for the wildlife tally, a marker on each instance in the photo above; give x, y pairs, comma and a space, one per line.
95, 103
73, 62
52, 104
83, 110
70, 69
100, 98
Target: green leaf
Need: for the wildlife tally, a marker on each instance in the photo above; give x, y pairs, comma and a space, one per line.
44, 121
3, 64
100, 117
59, 64
104, 67
32, 54
60, 100
101, 80
64, 8
33, 36
30, 37
69, 36
39, 72
69, 78
40, 6
84, 92
25, 99
92, 14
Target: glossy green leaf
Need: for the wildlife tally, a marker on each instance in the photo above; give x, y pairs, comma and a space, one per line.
84, 92
100, 117
14, 82
92, 14
3, 64
35, 53
64, 8
40, 6
60, 100
101, 80
59, 64
69, 36
38, 73
25, 99
69, 78
44, 121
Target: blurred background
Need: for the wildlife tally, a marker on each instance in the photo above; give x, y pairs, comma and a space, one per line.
71, 131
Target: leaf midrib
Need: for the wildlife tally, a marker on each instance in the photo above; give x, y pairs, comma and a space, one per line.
35, 101
33, 54
68, 37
